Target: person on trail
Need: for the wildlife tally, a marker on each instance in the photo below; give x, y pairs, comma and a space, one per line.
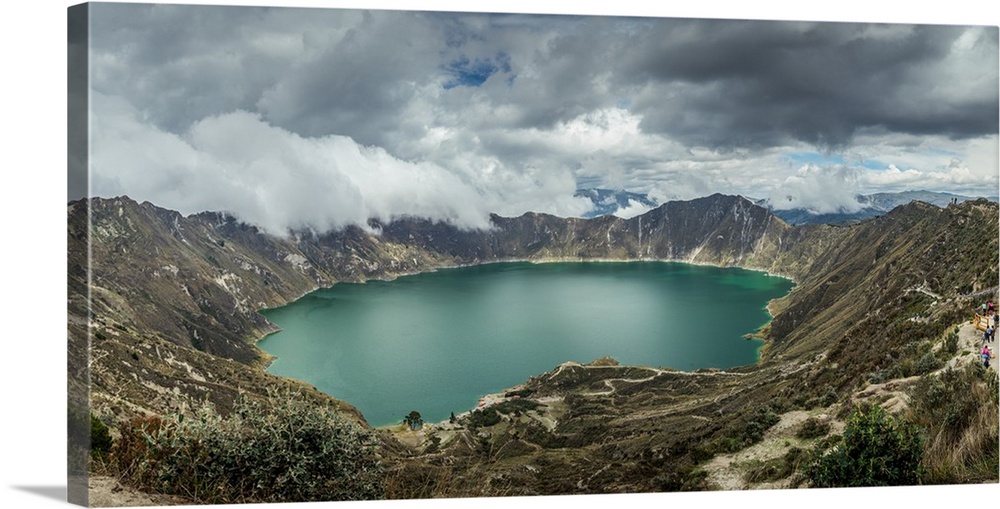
987, 355
987, 335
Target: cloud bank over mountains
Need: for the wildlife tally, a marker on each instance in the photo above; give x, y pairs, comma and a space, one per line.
318, 118
277, 179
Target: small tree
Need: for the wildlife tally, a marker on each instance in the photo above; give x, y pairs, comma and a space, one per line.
414, 420
877, 449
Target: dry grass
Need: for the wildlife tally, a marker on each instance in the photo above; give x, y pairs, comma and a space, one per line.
418, 480
958, 410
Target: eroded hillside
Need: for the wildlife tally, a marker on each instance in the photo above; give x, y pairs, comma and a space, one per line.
174, 320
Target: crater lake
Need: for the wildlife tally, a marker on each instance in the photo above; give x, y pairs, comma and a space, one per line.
437, 342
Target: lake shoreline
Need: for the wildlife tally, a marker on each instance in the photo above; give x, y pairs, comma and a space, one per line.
757, 349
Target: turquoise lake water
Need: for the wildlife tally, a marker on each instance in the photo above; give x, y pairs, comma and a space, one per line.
437, 342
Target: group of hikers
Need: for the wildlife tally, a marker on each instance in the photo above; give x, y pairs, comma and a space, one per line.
992, 321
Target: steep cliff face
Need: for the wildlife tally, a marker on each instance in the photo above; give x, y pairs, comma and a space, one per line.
723, 230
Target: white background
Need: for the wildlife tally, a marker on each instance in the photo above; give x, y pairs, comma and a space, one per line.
33, 246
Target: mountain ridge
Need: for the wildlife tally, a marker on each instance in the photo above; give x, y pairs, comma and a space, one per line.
174, 301
866, 206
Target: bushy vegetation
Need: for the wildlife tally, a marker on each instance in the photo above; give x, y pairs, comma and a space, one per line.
100, 438
917, 362
828, 398
812, 428
758, 422
951, 342
743, 432
284, 449
777, 468
876, 449
958, 410
482, 418
489, 416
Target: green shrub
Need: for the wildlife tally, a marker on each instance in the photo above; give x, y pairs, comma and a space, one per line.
757, 423
488, 416
829, 397
516, 406
812, 428
928, 362
883, 375
777, 468
876, 449
100, 438
746, 431
482, 418
286, 449
946, 399
951, 343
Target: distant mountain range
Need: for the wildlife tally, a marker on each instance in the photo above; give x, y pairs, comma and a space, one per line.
872, 205
615, 201
609, 201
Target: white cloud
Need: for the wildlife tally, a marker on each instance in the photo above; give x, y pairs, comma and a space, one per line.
957, 176
819, 189
277, 180
634, 208
347, 113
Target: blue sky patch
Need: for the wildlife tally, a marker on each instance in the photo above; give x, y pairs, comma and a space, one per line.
815, 158
473, 73
874, 164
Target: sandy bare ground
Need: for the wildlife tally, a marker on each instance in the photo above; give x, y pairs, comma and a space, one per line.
108, 492
726, 471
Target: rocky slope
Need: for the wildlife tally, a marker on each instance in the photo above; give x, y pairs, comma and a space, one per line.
173, 319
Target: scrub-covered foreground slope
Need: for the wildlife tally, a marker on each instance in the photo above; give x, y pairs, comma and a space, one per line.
174, 321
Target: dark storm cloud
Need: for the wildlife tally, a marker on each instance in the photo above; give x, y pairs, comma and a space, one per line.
166, 57
182, 63
721, 83
397, 72
361, 84
761, 83
508, 113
